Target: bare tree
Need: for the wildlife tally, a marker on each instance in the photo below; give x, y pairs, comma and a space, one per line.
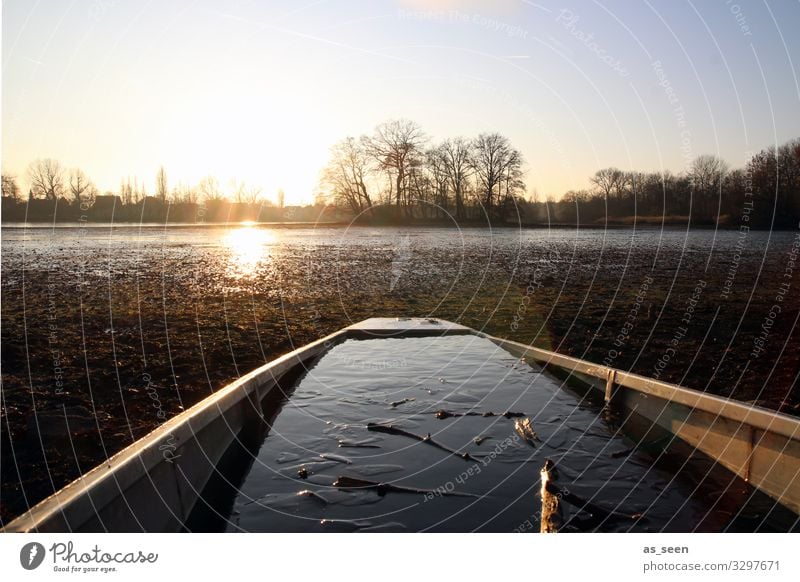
237, 190
396, 146
789, 177
79, 185
458, 157
346, 174
707, 172
46, 178
436, 161
496, 165
609, 181
420, 187
161, 184
512, 180
209, 189
139, 191
184, 193
773, 179
636, 182
10, 188
128, 191
252, 194
573, 196
244, 194
706, 175
281, 198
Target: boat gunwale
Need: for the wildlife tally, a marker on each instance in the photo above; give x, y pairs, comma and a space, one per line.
751, 415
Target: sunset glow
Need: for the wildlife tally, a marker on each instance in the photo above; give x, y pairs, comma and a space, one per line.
249, 248
259, 92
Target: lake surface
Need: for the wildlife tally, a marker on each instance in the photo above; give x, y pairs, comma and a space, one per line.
248, 253
125, 243
125, 326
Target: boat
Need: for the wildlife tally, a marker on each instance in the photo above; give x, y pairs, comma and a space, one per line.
420, 424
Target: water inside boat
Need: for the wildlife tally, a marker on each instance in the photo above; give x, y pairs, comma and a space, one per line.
430, 434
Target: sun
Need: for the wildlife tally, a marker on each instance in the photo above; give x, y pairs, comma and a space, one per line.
249, 247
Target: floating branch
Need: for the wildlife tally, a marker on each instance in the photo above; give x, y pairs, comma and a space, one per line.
345, 482
442, 414
337, 458
363, 444
389, 429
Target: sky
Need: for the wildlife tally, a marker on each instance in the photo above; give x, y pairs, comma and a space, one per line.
260, 91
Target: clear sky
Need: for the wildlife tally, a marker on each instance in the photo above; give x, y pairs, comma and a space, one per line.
259, 91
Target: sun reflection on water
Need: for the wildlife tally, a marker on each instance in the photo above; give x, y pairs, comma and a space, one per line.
249, 246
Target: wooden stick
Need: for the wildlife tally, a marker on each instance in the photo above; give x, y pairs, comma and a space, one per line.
389, 429
442, 414
345, 482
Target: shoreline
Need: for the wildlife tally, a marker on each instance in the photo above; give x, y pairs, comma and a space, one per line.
643, 225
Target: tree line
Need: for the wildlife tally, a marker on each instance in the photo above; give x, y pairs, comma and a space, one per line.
49, 180
708, 192
61, 194
397, 172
